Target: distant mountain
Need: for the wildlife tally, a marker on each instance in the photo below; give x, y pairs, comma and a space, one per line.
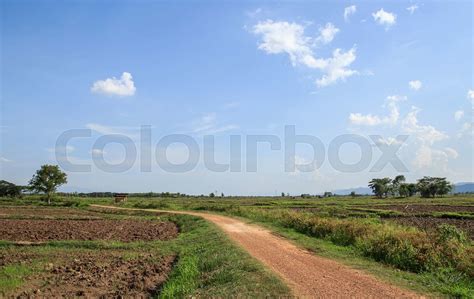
358, 190
464, 188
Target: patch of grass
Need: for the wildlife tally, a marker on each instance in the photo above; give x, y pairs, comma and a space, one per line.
13, 276
208, 263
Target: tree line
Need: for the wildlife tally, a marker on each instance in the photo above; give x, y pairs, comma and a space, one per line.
426, 187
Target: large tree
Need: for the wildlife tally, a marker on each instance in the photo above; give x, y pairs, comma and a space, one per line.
380, 187
433, 186
47, 180
10, 189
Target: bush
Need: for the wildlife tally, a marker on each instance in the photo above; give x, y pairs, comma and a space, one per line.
404, 248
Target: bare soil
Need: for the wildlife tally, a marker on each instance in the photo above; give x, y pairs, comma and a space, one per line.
47, 213
431, 223
21, 230
412, 209
309, 275
104, 275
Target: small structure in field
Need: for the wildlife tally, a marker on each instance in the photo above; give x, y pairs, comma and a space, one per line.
120, 197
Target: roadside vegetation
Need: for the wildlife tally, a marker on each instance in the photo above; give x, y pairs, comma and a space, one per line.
420, 236
200, 261
437, 259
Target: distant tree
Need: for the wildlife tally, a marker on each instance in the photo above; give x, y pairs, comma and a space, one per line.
47, 180
9, 189
407, 190
327, 194
222, 194
283, 194
396, 183
353, 194
433, 186
381, 187
212, 194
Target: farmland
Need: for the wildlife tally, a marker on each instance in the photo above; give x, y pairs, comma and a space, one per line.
403, 241
70, 251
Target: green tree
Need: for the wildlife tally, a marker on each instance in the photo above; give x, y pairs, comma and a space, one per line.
353, 194
212, 194
380, 187
10, 189
47, 180
433, 186
396, 184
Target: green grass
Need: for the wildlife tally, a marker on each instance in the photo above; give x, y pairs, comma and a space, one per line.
405, 256
346, 229
12, 276
208, 263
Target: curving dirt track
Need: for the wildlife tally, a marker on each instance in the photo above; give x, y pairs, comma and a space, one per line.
308, 275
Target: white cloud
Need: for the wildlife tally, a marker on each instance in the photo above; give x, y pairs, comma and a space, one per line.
327, 34
388, 141
5, 160
374, 120
108, 130
96, 152
425, 133
289, 38
412, 8
337, 67
466, 130
470, 95
385, 18
415, 84
284, 37
366, 120
254, 13
451, 153
458, 115
113, 86
348, 11
208, 125
436, 160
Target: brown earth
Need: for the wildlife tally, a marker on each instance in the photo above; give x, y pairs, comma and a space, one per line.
47, 213
102, 274
431, 223
120, 230
411, 209
307, 274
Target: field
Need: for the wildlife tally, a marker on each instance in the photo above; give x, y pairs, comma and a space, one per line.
424, 245
59, 251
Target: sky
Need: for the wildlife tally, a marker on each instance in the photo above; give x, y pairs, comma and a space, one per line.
338, 71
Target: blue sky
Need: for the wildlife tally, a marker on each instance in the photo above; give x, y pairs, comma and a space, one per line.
237, 68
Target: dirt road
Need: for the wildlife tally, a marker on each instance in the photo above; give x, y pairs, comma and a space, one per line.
308, 275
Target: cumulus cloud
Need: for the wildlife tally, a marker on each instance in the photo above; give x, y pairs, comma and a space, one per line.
113, 86
425, 133
327, 34
385, 18
348, 11
374, 120
458, 115
289, 38
412, 8
337, 67
415, 84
